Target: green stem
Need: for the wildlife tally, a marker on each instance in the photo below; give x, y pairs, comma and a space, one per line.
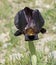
33, 52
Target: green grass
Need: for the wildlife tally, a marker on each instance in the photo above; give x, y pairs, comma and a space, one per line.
50, 19
52, 45
5, 9
16, 43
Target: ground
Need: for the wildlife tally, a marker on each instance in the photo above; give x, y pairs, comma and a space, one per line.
14, 50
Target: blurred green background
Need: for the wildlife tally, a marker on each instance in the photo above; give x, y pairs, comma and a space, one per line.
14, 50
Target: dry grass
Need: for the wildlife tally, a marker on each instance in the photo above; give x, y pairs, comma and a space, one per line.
14, 50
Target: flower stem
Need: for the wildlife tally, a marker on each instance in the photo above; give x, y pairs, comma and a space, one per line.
33, 52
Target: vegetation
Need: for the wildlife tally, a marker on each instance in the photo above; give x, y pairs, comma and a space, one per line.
15, 50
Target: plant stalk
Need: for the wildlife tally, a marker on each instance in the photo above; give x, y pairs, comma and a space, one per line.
33, 52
